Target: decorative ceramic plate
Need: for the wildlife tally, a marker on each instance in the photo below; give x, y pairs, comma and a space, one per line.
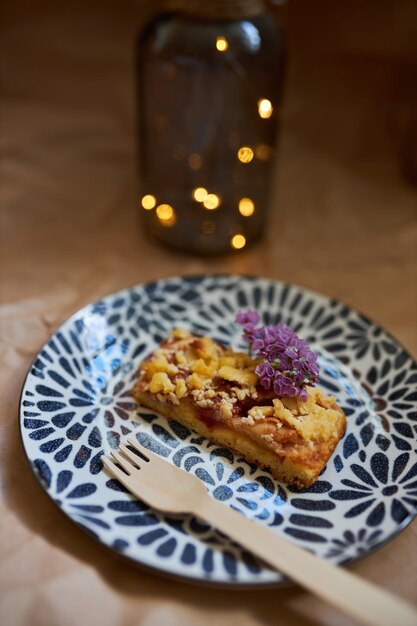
76, 405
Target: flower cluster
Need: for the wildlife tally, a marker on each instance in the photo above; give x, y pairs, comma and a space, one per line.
288, 364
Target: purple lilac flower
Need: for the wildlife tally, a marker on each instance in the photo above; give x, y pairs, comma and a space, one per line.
248, 320
288, 363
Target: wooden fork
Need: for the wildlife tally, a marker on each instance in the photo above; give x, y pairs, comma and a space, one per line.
170, 489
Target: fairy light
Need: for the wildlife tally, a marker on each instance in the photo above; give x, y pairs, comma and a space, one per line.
238, 242
166, 214
194, 161
265, 108
245, 154
263, 152
222, 44
148, 202
246, 207
211, 202
200, 194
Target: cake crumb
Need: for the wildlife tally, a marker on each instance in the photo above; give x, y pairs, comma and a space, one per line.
226, 408
241, 393
160, 382
180, 333
260, 412
248, 420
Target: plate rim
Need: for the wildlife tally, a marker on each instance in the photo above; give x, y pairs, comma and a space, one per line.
171, 576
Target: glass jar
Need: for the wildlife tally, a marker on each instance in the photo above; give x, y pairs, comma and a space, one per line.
209, 97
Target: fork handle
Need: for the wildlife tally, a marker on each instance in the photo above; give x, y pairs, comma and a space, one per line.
351, 594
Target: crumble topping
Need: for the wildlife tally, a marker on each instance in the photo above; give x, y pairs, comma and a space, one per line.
202, 360
218, 378
205, 385
160, 381
201, 399
248, 420
180, 358
259, 412
180, 388
226, 407
314, 420
161, 364
195, 381
240, 376
244, 392
179, 333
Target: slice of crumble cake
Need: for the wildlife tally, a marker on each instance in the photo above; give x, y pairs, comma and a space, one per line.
217, 393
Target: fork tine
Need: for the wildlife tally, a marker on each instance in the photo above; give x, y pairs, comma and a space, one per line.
146, 453
113, 469
122, 461
132, 456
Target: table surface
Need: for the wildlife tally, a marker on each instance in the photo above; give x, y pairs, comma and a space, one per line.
343, 222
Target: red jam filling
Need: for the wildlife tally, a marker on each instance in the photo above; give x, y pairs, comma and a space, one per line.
208, 417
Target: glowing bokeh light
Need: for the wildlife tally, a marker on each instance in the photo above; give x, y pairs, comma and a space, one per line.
166, 214
222, 44
194, 161
238, 241
211, 201
264, 152
265, 108
245, 154
148, 202
200, 194
246, 207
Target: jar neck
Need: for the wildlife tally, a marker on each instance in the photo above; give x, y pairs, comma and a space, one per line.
214, 9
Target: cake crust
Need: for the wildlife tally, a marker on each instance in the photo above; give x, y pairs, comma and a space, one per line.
216, 392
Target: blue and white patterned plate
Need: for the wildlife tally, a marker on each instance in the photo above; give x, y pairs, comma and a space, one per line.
76, 405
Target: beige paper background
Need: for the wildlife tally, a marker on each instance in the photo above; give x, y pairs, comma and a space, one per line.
344, 221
